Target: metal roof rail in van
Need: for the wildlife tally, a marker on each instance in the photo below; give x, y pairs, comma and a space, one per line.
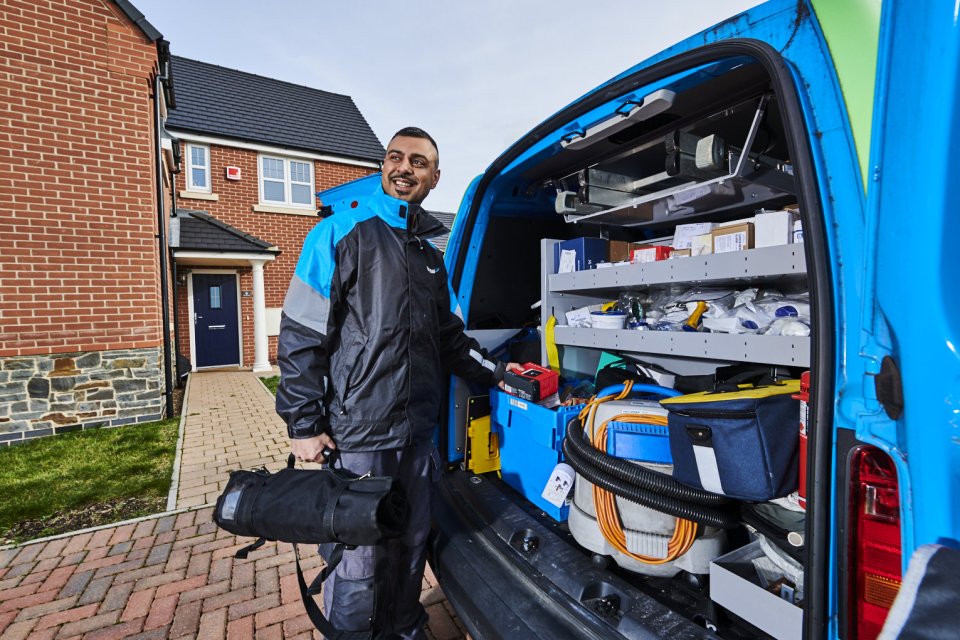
651, 105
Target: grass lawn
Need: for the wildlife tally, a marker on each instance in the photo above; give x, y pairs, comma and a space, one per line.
271, 383
85, 478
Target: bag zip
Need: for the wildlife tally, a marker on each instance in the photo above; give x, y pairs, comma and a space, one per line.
706, 413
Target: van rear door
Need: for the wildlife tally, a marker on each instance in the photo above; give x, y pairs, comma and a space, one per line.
911, 306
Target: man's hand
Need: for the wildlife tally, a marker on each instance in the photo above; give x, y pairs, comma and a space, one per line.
311, 449
511, 366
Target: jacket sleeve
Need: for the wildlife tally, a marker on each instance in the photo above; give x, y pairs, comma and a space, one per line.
306, 326
461, 354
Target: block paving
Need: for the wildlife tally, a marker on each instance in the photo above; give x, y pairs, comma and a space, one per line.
174, 575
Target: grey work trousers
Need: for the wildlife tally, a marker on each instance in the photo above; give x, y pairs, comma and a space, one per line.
348, 593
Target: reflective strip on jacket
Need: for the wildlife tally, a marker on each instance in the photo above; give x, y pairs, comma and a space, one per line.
366, 331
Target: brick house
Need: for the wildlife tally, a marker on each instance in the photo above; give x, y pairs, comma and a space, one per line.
112, 229
255, 151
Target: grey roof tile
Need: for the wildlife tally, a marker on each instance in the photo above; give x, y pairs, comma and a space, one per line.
446, 219
200, 231
224, 102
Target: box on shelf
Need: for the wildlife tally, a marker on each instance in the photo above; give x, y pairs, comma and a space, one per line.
619, 250
684, 234
680, 253
702, 245
734, 584
733, 238
773, 228
578, 254
649, 253
530, 437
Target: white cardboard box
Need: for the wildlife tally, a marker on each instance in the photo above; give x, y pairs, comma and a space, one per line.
746, 598
773, 228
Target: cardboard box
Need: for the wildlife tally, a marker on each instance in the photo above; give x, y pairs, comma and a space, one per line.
680, 253
649, 253
702, 245
734, 584
582, 253
773, 228
733, 238
619, 250
684, 234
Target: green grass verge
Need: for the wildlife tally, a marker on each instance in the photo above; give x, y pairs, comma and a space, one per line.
271, 383
44, 478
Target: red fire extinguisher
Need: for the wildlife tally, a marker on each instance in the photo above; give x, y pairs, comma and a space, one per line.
804, 398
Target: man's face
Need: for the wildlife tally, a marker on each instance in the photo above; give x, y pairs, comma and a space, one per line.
410, 169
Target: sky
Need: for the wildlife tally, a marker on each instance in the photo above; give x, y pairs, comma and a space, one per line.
475, 75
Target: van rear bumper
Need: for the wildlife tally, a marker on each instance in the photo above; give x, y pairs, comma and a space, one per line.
551, 589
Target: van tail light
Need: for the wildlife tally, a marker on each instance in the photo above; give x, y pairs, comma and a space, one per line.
876, 549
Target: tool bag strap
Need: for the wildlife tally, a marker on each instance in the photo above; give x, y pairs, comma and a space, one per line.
316, 616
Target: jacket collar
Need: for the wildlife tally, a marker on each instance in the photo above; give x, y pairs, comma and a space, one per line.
404, 215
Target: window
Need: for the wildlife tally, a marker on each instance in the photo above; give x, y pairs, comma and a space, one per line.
285, 181
215, 299
198, 168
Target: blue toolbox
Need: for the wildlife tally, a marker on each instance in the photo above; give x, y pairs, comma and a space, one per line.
530, 438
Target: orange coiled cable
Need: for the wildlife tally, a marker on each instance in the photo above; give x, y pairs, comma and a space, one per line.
605, 505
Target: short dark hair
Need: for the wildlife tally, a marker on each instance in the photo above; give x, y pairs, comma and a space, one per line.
417, 132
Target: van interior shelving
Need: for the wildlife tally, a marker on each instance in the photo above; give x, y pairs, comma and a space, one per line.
708, 145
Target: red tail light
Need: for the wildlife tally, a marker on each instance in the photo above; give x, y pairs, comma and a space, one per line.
876, 550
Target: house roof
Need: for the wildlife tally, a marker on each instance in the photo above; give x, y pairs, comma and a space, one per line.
199, 231
137, 18
446, 219
224, 102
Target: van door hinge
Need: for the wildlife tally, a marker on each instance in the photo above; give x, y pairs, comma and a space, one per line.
889, 388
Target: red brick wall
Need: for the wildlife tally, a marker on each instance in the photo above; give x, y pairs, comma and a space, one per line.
283, 230
77, 248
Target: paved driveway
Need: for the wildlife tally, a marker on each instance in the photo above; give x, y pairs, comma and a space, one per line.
173, 575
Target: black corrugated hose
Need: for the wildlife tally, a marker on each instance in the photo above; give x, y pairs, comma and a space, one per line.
644, 486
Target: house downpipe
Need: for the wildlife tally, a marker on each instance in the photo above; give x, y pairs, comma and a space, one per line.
162, 76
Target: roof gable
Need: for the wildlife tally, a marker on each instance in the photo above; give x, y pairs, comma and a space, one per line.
243, 106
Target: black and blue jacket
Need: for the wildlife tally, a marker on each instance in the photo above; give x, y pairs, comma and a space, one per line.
367, 333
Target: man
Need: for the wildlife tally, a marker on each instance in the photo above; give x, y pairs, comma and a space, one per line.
365, 337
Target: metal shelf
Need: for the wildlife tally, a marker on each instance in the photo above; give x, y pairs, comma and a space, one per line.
782, 350
767, 262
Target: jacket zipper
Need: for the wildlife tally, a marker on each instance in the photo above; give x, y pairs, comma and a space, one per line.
706, 413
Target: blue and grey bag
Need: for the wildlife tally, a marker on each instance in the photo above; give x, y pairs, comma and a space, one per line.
740, 443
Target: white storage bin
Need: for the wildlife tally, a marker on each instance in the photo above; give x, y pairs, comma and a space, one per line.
734, 584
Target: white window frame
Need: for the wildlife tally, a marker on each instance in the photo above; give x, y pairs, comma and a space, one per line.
287, 181
191, 167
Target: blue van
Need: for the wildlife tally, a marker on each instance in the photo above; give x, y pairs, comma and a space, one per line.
821, 132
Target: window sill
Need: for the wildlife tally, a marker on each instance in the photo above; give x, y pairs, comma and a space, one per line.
275, 208
198, 195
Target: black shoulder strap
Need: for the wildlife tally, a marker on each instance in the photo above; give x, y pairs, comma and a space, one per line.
313, 611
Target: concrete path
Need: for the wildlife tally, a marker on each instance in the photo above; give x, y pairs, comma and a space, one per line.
174, 575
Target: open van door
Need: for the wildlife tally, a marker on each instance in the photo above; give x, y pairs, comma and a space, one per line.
911, 313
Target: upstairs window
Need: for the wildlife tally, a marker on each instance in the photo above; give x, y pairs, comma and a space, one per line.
285, 181
198, 168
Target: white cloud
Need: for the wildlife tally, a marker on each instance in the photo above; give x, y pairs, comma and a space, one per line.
476, 75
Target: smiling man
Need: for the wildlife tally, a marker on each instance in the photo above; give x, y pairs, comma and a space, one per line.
366, 337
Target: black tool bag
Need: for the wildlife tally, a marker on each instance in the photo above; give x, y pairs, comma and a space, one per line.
302, 506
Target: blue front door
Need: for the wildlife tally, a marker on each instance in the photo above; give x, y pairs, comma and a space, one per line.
215, 323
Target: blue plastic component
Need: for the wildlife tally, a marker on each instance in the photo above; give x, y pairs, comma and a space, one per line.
530, 437
639, 442
666, 392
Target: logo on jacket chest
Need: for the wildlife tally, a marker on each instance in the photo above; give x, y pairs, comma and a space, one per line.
432, 269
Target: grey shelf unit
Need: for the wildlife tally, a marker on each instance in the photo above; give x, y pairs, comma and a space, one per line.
566, 291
